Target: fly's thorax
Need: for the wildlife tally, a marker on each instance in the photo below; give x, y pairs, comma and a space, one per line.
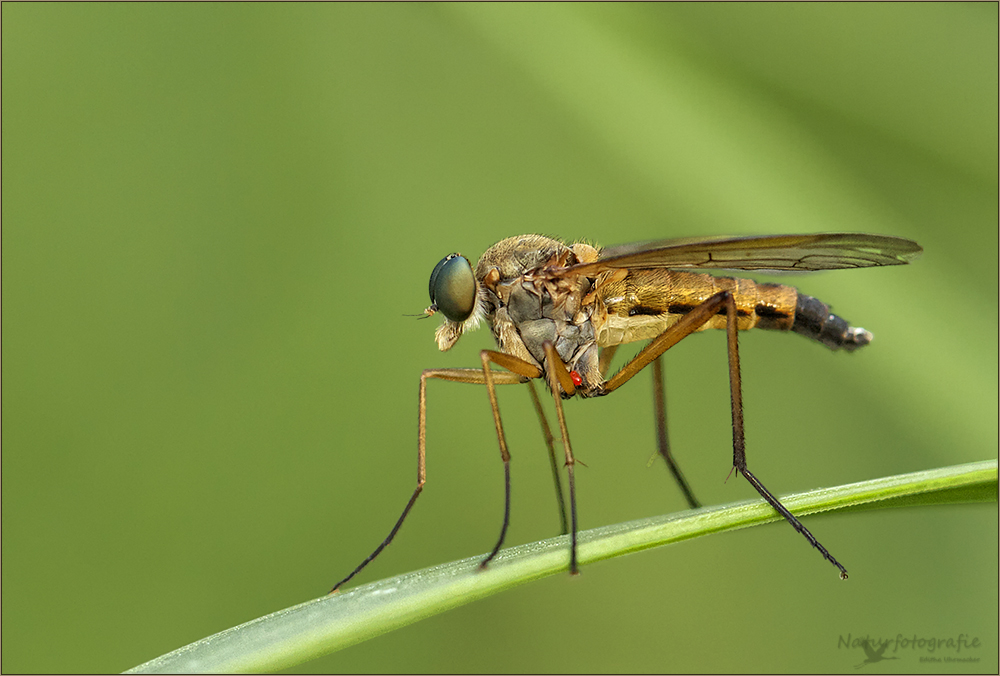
514, 256
556, 315
527, 304
641, 304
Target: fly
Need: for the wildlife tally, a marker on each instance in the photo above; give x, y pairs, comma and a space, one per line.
559, 311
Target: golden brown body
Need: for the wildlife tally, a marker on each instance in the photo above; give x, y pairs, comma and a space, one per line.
553, 308
532, 289
645, 302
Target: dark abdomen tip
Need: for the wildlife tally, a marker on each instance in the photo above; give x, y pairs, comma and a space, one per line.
813, 319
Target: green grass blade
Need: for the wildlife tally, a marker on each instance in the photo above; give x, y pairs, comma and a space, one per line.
324, 625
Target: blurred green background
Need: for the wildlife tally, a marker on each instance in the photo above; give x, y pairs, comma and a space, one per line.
215, 217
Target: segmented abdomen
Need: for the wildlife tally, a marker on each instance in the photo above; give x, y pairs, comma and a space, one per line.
642, 303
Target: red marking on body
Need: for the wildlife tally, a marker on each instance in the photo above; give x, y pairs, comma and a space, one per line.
577, 380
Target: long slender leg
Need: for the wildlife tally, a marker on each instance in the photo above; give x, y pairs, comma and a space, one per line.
558, 377
517, 367
739, 445
471, 376
547, 433
662, 440
660, 413
670, 337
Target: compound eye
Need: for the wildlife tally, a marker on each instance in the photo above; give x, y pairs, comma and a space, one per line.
453, 287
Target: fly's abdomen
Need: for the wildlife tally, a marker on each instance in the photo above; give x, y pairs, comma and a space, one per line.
813, 319
643, 303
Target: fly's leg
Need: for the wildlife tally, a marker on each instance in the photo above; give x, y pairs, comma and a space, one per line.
662, 440
560, 381
519, 369
547, 433
660, 413
471, 376
739, 446
688, 324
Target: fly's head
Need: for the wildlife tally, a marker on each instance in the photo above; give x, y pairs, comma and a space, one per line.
455, 293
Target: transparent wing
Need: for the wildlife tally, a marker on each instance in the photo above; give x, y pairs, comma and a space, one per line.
800, 253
